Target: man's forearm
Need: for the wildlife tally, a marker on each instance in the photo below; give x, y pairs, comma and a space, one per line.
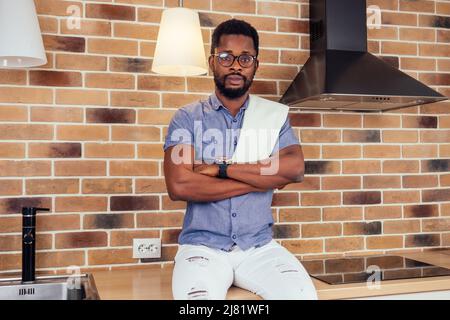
202, 188
267, 176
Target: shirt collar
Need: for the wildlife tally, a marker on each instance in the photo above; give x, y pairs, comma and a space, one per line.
216, 103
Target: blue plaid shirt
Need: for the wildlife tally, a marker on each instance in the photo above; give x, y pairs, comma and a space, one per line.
244, 220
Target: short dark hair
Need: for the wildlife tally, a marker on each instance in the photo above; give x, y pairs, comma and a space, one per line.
234, 26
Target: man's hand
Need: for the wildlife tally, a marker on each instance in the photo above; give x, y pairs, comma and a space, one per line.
211, 170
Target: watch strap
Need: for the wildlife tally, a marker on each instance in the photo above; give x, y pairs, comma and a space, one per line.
223, 170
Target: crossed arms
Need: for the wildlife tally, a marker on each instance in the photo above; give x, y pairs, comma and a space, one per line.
188, 181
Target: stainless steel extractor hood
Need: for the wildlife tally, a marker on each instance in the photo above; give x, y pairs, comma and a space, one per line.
340, 74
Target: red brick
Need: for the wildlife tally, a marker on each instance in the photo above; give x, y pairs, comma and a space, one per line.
12, 150
56, 7
134, 99
278, 9
80, 62
133, 168
320, 198
55, 78
113, 46
235, 6
81, 97
10, 168
54, 150
15, 77
109, 150
312, 230
108, 80
100, 186
81, 240
87, 27
342, 214
59, 43
80, 168
26, 95
57, 114
344, 244
13, 113
303, 246
161, 83
82, 133
160, 220
10, 187
80, 204
299, 214
384, 242
52, 186
112, 12
136, 31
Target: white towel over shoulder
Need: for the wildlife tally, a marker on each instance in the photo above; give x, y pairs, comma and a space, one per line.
261, 127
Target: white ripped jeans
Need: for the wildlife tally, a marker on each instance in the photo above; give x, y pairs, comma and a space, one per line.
270, 271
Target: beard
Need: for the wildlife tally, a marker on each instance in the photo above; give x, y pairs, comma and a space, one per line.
232, 93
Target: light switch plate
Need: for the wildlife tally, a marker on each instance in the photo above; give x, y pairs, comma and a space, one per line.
147, 248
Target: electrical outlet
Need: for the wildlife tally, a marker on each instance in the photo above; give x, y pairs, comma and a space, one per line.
147, 248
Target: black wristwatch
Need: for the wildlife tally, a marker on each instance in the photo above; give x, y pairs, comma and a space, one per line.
223, 170
223, 165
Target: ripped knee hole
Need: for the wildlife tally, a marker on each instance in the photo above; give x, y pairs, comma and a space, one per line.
198, 259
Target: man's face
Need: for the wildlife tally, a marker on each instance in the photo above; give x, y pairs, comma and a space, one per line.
233, 81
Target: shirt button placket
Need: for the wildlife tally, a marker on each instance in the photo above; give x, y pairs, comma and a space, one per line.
233, 221
234, 125
234, 128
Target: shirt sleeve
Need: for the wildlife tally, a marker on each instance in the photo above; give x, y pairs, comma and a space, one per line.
286, 138
180, 131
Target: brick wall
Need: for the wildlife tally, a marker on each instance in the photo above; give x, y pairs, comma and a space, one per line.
83, 136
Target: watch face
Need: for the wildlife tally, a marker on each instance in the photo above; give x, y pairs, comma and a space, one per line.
220, 160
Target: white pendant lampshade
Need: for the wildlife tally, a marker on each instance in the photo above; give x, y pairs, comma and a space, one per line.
179, 50
20, 35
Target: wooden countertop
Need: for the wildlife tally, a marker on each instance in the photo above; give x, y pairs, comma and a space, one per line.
154, 283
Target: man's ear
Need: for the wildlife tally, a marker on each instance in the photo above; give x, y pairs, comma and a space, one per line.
256, 64
211, 62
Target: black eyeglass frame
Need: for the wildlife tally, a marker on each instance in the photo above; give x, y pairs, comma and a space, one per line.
254, 58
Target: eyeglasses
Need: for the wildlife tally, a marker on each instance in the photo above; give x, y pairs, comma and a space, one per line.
226, 59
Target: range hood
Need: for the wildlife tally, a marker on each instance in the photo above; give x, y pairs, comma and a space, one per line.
341, 75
